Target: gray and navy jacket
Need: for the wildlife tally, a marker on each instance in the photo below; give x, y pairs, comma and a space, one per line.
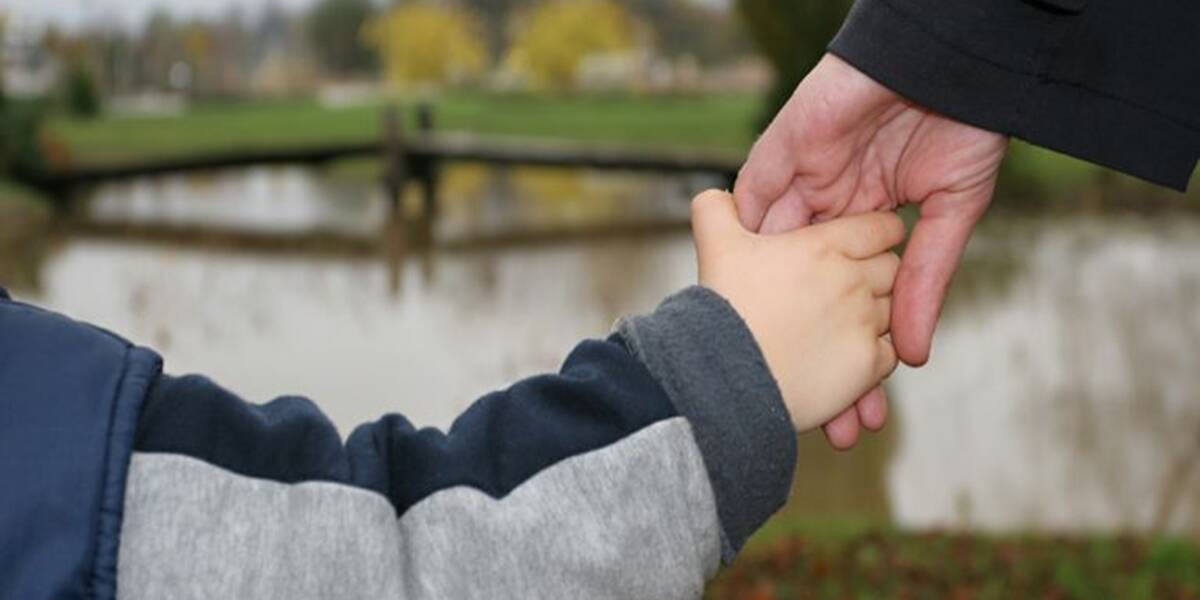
631, 473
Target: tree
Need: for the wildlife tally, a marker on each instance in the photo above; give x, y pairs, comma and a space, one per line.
559, 34
78, 91
335, 31
688, 27
494, 15
20, 128
80, 95
792, 35
427, 44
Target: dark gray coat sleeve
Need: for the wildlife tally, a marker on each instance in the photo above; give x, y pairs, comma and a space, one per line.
1113, 82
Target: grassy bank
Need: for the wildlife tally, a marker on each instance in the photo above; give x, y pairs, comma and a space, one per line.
720, 121
851, 559
24, 223
13, 195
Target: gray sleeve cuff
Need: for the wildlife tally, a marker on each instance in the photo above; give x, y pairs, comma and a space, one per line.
701, 352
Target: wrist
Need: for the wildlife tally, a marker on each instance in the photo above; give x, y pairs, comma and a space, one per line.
703, 354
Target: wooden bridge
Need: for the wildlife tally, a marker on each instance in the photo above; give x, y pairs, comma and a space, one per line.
410, 158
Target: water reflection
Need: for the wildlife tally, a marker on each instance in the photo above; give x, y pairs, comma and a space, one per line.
1062, 395
267, 200
1068, 400
475, 201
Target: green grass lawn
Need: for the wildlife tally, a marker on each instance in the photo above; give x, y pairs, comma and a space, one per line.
716, 121
722, 122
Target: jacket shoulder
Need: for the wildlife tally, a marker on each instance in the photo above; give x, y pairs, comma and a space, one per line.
70, 395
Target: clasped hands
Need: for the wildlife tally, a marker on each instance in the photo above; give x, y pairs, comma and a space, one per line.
845, 145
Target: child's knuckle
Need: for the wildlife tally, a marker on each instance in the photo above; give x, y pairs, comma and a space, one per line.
865, 346
887, 358
893, 261
821, 249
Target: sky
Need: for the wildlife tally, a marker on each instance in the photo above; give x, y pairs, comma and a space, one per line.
72, 14
75, 13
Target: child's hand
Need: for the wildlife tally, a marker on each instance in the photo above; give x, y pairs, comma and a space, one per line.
818, 300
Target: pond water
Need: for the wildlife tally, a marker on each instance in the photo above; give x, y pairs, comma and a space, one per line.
1064, 392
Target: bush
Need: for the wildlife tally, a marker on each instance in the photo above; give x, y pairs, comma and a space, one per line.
334, 29
80, 95
20, 127
25, 222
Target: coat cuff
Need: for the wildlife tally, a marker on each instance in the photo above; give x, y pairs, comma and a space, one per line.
705, 357
898, 44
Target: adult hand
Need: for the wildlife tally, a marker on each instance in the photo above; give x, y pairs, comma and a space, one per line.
845, 144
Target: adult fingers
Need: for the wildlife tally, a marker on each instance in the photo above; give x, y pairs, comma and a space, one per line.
842, 431
863, 236
930, 260
873, 409
767, 174
788, 213
870, 413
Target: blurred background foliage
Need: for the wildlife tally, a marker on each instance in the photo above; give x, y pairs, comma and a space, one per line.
335, 29
793, 37
556, 37
427, 44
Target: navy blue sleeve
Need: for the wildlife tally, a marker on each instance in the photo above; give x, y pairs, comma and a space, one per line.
69, 399
601, 395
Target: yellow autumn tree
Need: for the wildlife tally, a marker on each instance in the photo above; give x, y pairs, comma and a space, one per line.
557, 35
427, 43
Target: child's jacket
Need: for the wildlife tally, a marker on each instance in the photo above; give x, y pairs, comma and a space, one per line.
631, 473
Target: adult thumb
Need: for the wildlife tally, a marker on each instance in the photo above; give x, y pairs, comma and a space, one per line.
932, 256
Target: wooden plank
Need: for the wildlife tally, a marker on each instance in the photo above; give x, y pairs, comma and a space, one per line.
432, 147
219, 160
521, 151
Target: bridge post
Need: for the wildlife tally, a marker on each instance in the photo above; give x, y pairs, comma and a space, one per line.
395, 159
395, 176
426, 165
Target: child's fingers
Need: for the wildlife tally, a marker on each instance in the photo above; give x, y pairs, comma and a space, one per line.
883, 315
714, 217
886, 361
880, 272
863, 236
